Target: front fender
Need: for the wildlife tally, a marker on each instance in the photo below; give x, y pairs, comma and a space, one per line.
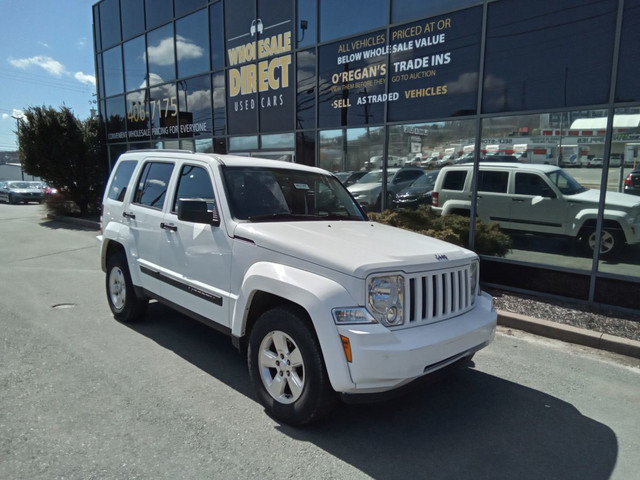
316, 294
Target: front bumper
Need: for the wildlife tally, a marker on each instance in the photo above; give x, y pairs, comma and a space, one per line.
385, 359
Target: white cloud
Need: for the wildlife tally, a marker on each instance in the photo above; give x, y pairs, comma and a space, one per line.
46, 63
188, 50
82, 42
162, 54
42, 44
5, 116
85, 78
17, 113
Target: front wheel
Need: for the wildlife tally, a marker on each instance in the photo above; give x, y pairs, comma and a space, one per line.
611, 241
125, 304
287, 369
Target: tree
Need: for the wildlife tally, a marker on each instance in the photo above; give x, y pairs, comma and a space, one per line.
64, 151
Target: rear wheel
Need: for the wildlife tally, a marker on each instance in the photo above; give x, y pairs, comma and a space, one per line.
125, 304
287, 369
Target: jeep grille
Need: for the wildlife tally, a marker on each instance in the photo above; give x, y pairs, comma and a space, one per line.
436, 296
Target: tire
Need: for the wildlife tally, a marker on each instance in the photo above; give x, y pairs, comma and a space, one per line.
287, 369
611, 241
11, 200
125, 304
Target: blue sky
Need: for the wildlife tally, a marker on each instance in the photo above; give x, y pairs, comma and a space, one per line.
46, 58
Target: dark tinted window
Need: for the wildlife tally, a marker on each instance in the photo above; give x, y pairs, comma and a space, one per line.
97, 35
628, 88
137, 115
496, 182
116, 118
530, 184
113, 82
135, 65
454, 180
110, 22
548, 54
307, 22
161, 55
194, 183
402, 10
339, 18
132, 18
306, 98
186, 6
219, 104
152, 185
158, 12
192, 44
217, 36
120, 180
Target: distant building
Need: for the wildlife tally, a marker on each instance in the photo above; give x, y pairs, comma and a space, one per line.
13, 171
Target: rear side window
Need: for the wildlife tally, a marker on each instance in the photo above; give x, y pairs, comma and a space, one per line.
495, 182
194, 183
454, 180
153, 183
120, 180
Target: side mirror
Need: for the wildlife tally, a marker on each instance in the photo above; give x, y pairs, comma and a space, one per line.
548, 193
196, 211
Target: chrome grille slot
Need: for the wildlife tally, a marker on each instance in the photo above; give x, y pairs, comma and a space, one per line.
435, 296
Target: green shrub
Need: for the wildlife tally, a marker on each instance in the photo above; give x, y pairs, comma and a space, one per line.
489, 239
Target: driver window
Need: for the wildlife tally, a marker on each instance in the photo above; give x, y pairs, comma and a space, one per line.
530, 184
194, 183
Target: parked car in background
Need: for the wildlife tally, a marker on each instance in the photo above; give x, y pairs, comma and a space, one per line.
632, 182
368, 190
349, 178
21, 192
418, 193
595, 162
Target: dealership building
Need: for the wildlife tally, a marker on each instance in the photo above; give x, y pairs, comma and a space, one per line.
381, 84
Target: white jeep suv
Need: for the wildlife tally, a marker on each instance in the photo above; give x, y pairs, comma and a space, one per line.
542, 199
280, 257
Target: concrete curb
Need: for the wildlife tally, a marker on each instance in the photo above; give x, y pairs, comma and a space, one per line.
570, 334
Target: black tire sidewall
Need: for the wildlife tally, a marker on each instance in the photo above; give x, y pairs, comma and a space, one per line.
315, 400
133, 307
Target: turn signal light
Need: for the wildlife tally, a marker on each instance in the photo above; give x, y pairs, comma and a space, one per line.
346, 345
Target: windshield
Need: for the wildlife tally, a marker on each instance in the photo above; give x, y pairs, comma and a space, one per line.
565, 182
376, 176
19, 185
425, 180
260, 194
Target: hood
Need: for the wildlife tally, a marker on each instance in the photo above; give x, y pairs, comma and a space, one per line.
612, 200
353, 248
363, 187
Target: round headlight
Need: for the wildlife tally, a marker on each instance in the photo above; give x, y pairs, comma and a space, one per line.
386, 298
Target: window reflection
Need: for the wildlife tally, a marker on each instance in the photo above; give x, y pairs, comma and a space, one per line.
402, 10
306, 95
217, 36
194, 100
339, 18
110, 22
132, 18
135, 66
307, 22
115, 117
113, 82
628, 87
219, 104
192, 44
161, 55
163, 111
158, 12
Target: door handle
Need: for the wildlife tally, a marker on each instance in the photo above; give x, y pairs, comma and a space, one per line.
128, 215
169, 226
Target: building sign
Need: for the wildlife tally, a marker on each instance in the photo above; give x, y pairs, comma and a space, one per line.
260, 77
423, 69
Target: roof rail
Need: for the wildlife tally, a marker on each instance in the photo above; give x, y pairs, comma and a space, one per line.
170, 150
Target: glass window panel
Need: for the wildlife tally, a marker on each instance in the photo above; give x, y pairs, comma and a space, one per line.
115, 118
217, 36
138, 121
121, 177
623, 195
158, 12
306, 96
219, 104
194, 183
279, 140
100, 79
307, 22
113, 81
402, 10
628, 87
192, 44
135, 64
186, 6
351, 87
194, 101
97, 35
110, 22
161, 55
306, 148
243, 143
238, 21
332, 150
220, 145
433, 67
204, 145
542, 54
163, 111
132, 18
153, 184
339, 18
